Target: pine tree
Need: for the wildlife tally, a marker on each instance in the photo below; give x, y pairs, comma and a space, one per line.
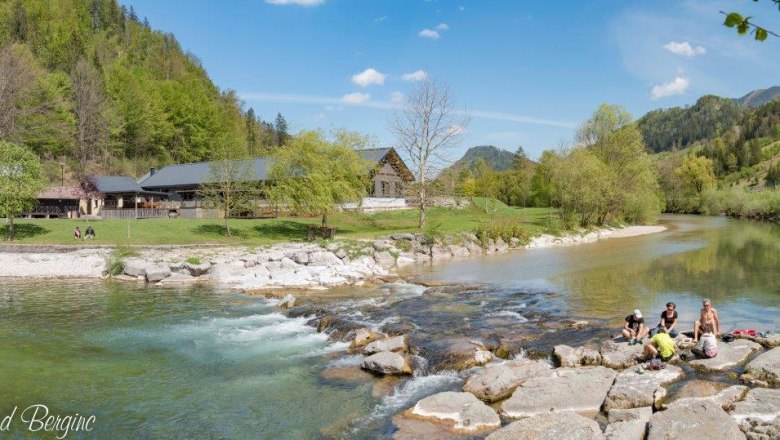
251, 131
280, 128
132, 15
19, 23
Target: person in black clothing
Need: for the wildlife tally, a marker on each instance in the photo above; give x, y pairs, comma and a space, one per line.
668, 321
89, 233
634, 328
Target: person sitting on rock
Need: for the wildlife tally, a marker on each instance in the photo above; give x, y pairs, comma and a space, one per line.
708, 345
77, 233
89, 233
661, 345
708, 316
668, 321
634, 328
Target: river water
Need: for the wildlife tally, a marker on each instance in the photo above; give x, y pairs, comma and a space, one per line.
199, 362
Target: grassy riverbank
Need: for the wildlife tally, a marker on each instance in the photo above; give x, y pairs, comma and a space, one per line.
349, 225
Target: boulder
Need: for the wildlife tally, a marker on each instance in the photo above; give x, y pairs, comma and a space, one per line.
395, 343
134, 267
365, 336
439, 252
760, 404
765, 369
473, 247
324, 258
464, 353
459, 411
569, 389
619, 355
197, 270
403, 236
287, 302
341, 253
633, 389
693, 421
459, 251
550, 426
729, 355
157, 273
716, 392
301, 257
496, 382
628, 424
387, 362
384, 258
566, 356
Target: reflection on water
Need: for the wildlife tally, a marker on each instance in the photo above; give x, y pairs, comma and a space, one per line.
735, 263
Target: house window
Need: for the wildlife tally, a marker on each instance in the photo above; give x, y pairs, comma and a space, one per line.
385, 190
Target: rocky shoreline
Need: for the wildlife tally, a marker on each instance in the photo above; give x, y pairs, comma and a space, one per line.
290, 265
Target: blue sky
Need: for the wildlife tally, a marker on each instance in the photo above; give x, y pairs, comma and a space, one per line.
528, 71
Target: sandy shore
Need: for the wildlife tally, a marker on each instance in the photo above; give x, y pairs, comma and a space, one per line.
90, 263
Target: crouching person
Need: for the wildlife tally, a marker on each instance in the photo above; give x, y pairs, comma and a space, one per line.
660, 345
708, 343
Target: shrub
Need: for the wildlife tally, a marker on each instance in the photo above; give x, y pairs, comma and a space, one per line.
193, 260
504, 231
116, 261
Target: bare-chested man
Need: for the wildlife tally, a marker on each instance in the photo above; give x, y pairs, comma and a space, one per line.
708, 315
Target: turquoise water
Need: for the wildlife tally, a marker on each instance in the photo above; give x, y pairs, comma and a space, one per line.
200, 362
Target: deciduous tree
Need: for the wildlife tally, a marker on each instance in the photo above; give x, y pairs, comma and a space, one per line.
21, 179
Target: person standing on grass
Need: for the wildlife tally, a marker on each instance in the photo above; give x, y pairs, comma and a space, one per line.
668, 321
634, 328
708, 316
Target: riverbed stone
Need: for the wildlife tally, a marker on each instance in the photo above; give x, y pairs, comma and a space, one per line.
462, 354
694, 421
438, 252
633, 389
459, 411
365, 336
134, 267
628, 424
459, 251
387, 362
287, 302
550, 426
569, 389
765, 369
729, 355
197, 270
394, 343
324, 258
403, 236
566, 356
301, 257
385, 258
157, 273
619, 355
496, 382
717, 392
758, 415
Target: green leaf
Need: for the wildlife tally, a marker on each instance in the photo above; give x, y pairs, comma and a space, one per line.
733, 19
743, 27
761, 34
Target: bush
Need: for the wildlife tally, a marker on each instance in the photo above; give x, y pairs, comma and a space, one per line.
116, 261
504, 231
193, 260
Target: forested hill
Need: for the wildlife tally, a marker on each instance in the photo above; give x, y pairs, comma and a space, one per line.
497, 158
90, 83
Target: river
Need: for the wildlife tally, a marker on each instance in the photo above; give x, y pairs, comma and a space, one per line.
200, 362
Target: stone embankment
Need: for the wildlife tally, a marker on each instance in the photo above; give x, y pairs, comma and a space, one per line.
582, 386
291, 265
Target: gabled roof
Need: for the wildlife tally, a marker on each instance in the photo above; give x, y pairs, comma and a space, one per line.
374, 154
193, 174
116, 185
63, 193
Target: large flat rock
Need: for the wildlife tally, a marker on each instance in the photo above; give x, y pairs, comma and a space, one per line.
569, 389
759, 414
635, 390
693, 421
387, 362
619, 355
496, 382
729, 355
459, 411
550, 426
628, 424
716, 392
566, 356
765, 369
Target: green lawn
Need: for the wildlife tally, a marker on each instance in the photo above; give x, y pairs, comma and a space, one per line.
349, 225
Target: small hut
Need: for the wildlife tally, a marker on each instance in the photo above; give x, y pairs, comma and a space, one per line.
60, 202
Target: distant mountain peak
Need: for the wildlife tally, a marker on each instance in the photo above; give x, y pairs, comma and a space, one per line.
498, 158
759, 97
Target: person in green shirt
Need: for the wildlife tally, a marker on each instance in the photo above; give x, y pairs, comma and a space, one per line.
661, 345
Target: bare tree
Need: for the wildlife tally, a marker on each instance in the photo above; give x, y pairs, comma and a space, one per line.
91, 127
426, 127
17, 77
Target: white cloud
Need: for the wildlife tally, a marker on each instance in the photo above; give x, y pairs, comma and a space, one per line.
296, 2
380, 19
355, 98
397, 97
368, 77
677, 86
442, 27
417, 75
461, 8
429, 33
685, 49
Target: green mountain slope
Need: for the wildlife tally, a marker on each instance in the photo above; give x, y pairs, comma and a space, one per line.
497, 158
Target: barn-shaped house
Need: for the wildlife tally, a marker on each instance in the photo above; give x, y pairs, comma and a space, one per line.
389, 175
